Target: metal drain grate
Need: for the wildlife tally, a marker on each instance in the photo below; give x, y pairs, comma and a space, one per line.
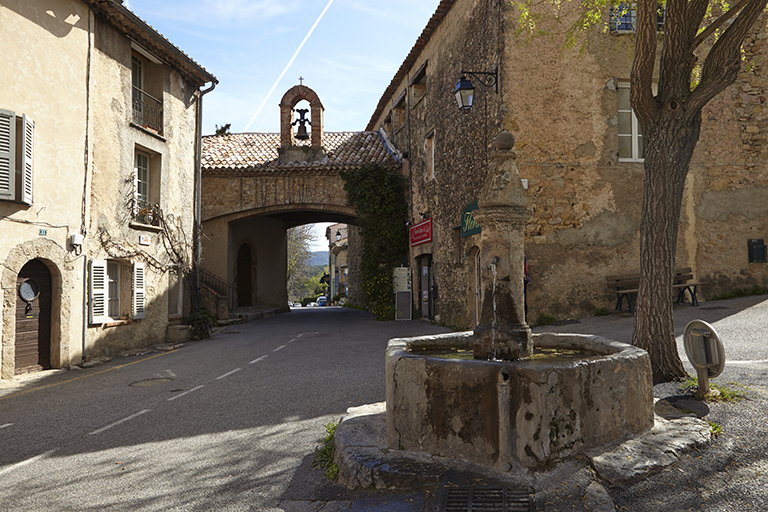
472, 499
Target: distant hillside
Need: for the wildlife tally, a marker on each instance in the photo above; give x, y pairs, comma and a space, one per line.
318, 258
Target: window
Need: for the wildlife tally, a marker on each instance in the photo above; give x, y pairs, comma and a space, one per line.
105, 290
147, 109
623, 18
146, 187
630, 139
429, 155
399, 114
174, 292
17, 135
418, 85
113, 289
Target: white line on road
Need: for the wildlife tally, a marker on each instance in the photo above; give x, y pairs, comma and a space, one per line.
280, 348
763, 361
6, 425
258, 359
228, 373
102, 429
25, 462
297, 337
185, 393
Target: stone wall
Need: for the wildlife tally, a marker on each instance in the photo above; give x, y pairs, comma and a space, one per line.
561, 105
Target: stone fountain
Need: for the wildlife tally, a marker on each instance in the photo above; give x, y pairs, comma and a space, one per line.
513, 399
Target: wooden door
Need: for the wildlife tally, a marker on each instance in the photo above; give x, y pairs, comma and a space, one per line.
33, 318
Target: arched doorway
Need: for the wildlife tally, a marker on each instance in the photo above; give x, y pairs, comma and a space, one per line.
33, 318
244, 277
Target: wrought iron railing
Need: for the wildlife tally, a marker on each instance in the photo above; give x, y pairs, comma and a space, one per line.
146, 212
147, 110
220, 286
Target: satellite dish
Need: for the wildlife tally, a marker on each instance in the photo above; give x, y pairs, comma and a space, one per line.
705, 351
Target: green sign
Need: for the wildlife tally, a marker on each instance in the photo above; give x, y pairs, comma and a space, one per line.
469, 225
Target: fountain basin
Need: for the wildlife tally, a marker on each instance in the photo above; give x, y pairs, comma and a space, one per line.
513, 414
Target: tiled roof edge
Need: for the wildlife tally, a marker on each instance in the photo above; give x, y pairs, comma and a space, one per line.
143, 33
421, 42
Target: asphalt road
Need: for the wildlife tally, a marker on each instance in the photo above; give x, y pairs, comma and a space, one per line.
223, 424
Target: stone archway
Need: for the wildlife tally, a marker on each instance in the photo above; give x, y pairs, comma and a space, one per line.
63, 277
244, 276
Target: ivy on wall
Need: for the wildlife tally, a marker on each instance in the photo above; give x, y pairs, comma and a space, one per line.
379, 197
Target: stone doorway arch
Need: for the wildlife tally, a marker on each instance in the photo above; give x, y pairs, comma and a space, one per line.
33, 318
63, 277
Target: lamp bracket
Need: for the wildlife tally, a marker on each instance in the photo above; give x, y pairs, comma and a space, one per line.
488, 79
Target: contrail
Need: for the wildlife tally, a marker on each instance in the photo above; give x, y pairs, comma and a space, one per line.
290, 62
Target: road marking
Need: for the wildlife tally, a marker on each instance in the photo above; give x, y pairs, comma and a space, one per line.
257, 360
89, 375
228, 373
6, 425
297, 337
185, 393
280, 348
25, 462
758, 361
102, 429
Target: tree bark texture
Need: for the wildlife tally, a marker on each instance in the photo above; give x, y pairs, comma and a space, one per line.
670, 123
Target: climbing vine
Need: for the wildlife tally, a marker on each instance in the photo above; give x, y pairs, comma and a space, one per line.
379, 197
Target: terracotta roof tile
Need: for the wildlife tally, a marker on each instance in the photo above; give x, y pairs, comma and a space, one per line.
257, 152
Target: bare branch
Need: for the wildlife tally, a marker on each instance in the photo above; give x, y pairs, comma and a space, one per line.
718, 23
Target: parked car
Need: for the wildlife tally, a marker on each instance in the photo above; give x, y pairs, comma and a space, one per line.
322, 301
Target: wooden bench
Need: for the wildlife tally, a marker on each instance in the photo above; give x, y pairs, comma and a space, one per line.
626, 286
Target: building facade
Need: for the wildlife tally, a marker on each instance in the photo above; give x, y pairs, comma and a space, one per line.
579, 155
98, 130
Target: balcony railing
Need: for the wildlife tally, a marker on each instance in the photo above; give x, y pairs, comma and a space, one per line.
148, 213
147, 111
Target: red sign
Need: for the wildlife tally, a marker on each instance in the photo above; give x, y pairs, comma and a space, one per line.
421, 233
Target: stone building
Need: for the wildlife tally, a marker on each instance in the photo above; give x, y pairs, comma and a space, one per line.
258, 185
98, 127
579, 154
338, 260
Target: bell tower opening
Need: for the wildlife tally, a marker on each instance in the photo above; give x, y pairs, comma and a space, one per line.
301, 121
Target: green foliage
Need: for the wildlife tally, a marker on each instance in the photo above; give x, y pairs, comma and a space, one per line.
726, 394
224, 129
545, 319
202, 323
714, 428
739, 292
602, 311
325, 451
379, 197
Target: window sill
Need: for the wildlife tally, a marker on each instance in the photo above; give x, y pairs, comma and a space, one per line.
145, 227
173, 318
148, 132
115, 323
632, 160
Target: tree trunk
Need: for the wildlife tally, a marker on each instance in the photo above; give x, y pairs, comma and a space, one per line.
669, 146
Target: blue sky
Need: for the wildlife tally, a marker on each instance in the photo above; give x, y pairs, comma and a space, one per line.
348, 60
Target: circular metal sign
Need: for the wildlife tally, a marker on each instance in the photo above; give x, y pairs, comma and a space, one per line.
704, 348
28, 290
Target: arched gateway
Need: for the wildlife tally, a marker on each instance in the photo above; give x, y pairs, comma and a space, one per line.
255, 186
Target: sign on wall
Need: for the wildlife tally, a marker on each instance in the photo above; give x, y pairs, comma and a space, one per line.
469, 225
421, 233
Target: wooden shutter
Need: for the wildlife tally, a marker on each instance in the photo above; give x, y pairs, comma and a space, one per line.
7, 154
98, 292
138, 290
28, 142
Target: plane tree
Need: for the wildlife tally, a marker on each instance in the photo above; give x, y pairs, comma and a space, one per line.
699, 54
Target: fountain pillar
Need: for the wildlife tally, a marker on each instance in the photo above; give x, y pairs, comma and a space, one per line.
502, 332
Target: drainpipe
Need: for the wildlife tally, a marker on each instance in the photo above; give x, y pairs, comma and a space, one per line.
198, 191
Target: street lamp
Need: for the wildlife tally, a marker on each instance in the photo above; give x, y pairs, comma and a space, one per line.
338, 235
465, 91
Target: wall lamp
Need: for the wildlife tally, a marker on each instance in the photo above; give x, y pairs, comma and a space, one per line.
465, 91
338, 236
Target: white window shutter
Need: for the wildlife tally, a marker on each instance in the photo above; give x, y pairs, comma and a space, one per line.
7, 154
98, 292
28, 145
138, 290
